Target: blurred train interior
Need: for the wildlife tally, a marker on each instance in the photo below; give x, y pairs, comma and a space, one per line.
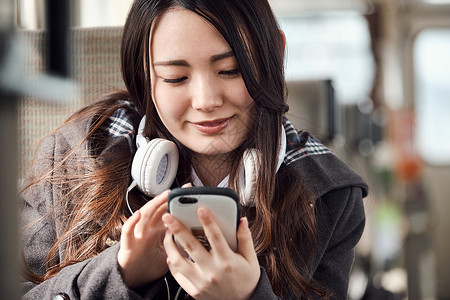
369, 78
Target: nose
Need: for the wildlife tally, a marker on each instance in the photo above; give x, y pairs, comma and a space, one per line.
206, 94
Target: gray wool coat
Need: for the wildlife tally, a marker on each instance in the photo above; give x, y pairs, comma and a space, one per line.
337, 189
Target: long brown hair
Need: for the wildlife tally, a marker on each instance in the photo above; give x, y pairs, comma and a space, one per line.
91, 188
282, 206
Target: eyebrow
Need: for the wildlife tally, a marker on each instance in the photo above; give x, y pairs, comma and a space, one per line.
183, 63
218, 57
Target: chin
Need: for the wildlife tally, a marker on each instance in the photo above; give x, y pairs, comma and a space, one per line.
212, 147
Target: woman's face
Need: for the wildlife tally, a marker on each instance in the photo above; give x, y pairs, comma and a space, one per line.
197, 87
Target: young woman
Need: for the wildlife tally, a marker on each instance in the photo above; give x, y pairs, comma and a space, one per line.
208, 76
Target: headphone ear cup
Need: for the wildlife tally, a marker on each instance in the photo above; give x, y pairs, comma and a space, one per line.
248, 176
250, 169
155, 166
282, 148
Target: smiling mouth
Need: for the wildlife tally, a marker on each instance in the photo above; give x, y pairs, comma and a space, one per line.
212, 127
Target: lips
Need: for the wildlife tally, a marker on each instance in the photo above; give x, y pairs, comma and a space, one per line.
213, 126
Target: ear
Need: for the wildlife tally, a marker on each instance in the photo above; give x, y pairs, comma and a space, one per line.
283, 38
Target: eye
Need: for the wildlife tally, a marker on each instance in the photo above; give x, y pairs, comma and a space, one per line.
175, 80
230, 73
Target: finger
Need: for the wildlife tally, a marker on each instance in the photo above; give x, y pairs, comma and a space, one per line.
187, 185
128, 229
213, 232
180, 267
175, 260
151, 214
149, 209
159, 213
169, 245
186, 239
245, 242
185, 282
158, 223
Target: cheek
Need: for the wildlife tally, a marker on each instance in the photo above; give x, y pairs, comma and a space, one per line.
168, 104
241, 98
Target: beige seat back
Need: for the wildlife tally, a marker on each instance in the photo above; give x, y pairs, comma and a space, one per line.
95, 68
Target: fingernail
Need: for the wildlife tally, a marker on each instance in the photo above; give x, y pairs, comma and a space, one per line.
202, 214
244, 222
135, 215
167, 219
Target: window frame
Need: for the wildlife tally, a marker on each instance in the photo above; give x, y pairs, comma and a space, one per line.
421, 16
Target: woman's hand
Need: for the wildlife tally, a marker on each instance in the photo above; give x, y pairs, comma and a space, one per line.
142, 258
220, 273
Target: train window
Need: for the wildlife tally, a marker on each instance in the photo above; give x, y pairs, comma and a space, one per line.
331, 45
103, 12
437, 1
84, 13
432, 90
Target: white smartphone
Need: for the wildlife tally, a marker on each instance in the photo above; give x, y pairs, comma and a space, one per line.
221, 202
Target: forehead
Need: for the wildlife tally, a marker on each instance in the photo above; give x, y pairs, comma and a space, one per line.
181, 32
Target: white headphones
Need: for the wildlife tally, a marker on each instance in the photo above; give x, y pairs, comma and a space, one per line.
155, 163
155, 166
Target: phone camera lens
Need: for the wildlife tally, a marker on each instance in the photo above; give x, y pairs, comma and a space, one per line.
188, 200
